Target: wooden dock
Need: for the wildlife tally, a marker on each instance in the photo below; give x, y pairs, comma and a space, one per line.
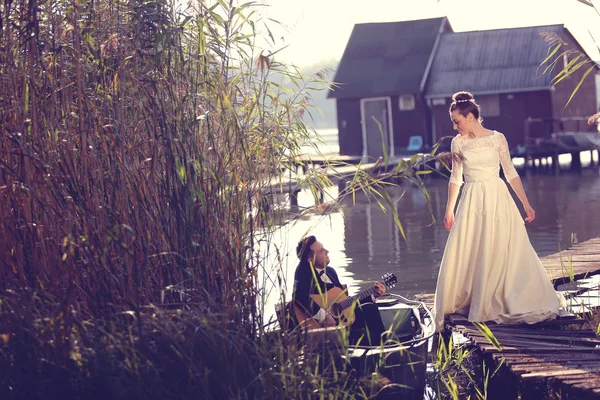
338, 171
557, 355
576, 262
560, 356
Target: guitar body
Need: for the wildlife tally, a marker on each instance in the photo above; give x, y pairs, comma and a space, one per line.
329, 301
305, 321
336, 302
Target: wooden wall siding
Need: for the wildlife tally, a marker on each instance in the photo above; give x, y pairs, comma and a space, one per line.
349, 127
409, 123
515, 111
443, 125
511, 122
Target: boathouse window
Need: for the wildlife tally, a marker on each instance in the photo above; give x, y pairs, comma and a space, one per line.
406, 102
438, 102
490, 105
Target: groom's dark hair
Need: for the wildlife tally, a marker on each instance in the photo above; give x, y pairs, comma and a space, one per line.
303, 248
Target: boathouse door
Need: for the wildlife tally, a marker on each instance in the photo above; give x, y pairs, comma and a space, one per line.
377, 130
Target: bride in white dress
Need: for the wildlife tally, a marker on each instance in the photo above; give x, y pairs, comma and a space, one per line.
489, 271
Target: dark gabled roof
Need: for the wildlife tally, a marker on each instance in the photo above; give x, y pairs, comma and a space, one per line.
386, 58
495, 61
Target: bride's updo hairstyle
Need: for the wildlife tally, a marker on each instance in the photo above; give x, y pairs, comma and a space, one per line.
464, 103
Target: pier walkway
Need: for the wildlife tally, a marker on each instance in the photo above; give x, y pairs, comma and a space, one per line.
338, 171
560, 356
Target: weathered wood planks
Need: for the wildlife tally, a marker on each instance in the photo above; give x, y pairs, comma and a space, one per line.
563, 358
567, 359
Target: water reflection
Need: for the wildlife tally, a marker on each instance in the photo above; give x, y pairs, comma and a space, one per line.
365, 243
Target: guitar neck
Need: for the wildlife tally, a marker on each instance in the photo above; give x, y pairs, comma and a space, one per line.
357, 297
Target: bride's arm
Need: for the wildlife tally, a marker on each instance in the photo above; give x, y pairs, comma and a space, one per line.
517, 186
454, 184
453, 190
511, 175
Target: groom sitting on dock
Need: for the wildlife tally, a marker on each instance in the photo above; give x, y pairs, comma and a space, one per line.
308, 294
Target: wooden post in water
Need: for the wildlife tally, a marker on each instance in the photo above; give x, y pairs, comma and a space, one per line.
555, 164
576, 160
294, 197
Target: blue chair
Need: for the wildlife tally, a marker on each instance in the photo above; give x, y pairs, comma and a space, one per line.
415, 143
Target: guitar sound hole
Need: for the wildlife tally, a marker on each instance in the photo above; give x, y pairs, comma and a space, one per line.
337, 310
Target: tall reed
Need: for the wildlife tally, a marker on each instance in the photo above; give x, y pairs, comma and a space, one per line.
136, 141
139, 140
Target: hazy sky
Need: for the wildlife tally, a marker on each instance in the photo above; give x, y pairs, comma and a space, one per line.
317, 30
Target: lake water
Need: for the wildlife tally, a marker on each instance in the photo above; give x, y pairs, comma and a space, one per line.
364, 242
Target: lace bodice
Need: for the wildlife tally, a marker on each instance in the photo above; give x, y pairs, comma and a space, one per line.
479, 159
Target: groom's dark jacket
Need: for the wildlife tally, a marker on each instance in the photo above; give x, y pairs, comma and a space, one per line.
305, 285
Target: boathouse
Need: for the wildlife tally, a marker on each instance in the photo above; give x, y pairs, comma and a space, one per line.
380, 99
502, 69
396, 79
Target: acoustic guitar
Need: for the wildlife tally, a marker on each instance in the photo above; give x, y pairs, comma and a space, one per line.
337, 303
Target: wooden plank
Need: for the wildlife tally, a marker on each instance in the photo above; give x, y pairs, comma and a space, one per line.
522, 368
588, 244
579, 377
580, 270
503, 340
515, 359
574, 251
564, 275
575, 380
579, 341
537, 329
581, 252
554, 322
555, 263
576, 262
592, 240
534, 349
590, 382
586, 385
548, 374
551, 332
523, 363
591, 351
541, 335
539, 325
539, 367
584, 247
457, 319
524, 343
593, 256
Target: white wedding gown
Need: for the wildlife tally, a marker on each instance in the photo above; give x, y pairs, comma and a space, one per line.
490, 271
